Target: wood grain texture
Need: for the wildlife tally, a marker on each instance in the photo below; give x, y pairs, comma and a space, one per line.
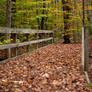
23, 31
13, 45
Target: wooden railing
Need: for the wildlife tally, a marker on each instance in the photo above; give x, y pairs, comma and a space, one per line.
14, 32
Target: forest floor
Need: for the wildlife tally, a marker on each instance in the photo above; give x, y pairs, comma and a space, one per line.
55, 68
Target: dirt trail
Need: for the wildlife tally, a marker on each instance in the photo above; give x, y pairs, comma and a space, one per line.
55, 68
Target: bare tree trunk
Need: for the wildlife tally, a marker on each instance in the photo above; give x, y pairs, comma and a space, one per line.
74, 23
8, 24
8, 13
66, 24
43, 18
37, 12
13, 10
85, 52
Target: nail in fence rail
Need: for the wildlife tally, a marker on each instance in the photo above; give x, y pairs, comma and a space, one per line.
27, 43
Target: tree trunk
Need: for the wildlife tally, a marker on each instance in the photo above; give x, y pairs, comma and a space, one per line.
8, 15
43, 18
8, 24
85, 50
66, 23
13, 10
37, 12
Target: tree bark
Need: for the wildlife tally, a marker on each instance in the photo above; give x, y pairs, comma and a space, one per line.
8, 24
13, 10
66, 23
8, 15
85, 50
37, 12
43, 18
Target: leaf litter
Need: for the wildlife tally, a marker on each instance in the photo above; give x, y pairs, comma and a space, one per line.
55, 68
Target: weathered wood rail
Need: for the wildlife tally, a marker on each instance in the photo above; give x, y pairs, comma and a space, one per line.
27, 32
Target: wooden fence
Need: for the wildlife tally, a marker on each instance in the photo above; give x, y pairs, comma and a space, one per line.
14, 32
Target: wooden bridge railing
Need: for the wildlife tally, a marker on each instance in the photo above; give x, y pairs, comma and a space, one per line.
27, 32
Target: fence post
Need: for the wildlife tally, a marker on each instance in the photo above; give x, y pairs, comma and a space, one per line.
42, 38
47, 37
85, 53
8, 50
53, 37
37, 39
15, 40
86, 50
28, 39
8, 17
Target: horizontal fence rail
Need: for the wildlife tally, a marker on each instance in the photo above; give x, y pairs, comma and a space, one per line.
44, 35
23, 31
23, 43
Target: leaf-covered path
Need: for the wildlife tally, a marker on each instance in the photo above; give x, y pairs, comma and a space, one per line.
55, 68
